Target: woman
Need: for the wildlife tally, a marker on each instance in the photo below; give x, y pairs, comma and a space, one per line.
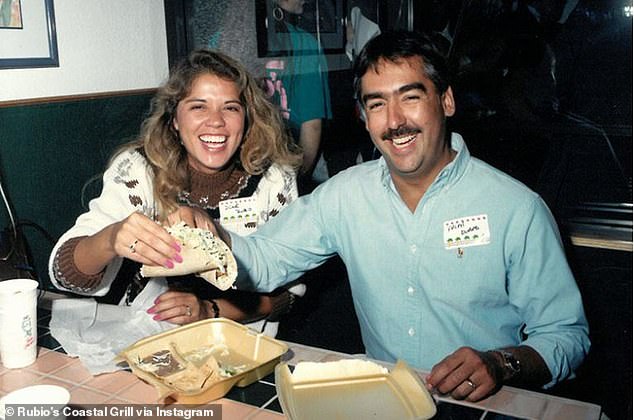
213, 145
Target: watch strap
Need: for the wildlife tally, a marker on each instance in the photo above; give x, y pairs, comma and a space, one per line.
510, 364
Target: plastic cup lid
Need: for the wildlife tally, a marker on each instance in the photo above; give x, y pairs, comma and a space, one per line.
36, 394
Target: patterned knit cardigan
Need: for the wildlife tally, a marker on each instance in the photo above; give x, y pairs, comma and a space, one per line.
128, 187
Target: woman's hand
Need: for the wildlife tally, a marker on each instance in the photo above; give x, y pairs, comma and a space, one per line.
192, 216
139, 238
178, 308
136, 237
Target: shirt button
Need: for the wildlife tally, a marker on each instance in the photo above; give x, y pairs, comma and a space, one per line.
411, 332
412, 248
410, 291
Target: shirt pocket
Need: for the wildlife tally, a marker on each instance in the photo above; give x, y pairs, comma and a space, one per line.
465, 276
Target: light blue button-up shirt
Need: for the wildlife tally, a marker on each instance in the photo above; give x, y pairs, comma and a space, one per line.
418, 295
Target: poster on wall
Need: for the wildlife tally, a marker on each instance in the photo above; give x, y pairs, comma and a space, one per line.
28, 37
10, 14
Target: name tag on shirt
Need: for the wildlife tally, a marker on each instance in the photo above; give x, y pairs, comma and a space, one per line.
466, 231
239, 215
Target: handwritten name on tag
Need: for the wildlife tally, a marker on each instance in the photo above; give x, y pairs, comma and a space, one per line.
239, 215
466, 231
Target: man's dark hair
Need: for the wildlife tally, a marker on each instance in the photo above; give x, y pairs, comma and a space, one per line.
396, 45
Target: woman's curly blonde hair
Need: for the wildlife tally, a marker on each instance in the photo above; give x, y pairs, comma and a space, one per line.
265, 138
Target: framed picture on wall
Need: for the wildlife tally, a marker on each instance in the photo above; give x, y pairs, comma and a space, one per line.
324, 19
28, 37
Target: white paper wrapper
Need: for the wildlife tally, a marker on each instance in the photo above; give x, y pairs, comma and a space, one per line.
97, 332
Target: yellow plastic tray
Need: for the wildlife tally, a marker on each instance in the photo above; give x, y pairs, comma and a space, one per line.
261, 354
399, 394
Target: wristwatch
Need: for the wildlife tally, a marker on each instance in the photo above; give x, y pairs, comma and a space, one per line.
511, 365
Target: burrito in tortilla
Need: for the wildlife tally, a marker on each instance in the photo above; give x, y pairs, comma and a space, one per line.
204, 254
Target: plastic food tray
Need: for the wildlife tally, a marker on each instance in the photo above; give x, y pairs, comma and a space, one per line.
260, 352
399, 394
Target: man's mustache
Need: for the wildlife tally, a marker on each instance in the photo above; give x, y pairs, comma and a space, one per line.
399, 132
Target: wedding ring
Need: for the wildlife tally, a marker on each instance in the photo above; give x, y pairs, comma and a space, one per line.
188, 310
471, 384
132, 245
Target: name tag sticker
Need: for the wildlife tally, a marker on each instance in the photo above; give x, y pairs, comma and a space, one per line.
239, 215
466, 231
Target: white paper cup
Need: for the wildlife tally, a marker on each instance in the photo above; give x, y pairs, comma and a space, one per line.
43, 401
18, 322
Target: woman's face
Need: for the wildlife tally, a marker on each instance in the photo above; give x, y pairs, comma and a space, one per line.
292, 6
210, 123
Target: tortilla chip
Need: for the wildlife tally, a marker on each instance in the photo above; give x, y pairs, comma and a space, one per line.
204, 255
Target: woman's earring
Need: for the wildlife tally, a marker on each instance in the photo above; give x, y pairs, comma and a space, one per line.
278, 14
176, 134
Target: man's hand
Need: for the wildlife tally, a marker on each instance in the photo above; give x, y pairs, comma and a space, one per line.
466, 374
192, 216
199, 218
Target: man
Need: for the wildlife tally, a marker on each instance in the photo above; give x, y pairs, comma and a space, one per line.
453, 265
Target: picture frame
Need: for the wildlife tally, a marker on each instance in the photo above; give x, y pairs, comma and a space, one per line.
35, 43
329, 28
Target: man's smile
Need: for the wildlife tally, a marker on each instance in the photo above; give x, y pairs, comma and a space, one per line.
400, 142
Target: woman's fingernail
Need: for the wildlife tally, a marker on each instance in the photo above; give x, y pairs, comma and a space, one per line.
178, 258
157, 317
169, 264
176, 246
151, 310
156, 301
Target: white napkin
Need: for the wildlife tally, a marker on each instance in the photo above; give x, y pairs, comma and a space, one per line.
97, 332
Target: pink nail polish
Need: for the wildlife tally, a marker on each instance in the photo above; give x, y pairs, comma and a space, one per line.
169, 264
178, 258
156, 301
157, 317
177, 247
151, 310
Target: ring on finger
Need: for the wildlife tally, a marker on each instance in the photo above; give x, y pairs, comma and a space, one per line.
188, 310
132, 246
471, 384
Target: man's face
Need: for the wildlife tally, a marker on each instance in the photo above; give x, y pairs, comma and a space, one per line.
405, 116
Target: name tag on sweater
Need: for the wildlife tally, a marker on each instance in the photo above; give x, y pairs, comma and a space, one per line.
466, 231
239, 215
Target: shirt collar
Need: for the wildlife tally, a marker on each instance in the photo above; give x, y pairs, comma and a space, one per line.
456, 168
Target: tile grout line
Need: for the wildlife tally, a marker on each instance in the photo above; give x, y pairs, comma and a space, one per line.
260, 409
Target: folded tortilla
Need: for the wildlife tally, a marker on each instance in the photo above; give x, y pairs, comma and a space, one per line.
204, 254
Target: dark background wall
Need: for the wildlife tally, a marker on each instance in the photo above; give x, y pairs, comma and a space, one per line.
49, 150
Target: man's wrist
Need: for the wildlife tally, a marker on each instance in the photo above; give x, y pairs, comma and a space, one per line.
281, 305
